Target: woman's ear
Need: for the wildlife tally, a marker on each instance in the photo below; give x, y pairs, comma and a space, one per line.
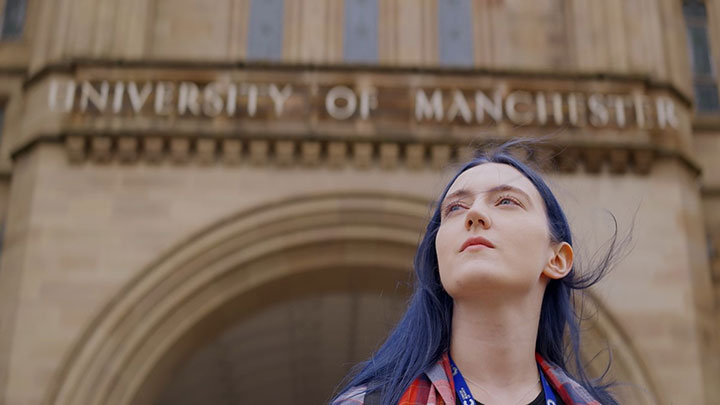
561, 262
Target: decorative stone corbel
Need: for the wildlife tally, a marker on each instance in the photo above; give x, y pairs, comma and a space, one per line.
153, 148
389, 155
336, 154
101, 148
127, 149
205, 151
619, 159
258, 152
439, 156
179, 150
544, 158
642, 160
593, 159
232, 150
75, 148
415, 156
310, 153
362, 154
284, 152
567, 160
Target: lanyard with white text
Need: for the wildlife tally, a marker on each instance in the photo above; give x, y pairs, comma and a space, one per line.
463, 392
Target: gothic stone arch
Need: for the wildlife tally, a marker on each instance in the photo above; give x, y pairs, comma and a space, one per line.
203, 284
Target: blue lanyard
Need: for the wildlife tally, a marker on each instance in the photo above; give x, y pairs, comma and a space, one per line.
463, 392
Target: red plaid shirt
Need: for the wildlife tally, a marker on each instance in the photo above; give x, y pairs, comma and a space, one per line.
435, 387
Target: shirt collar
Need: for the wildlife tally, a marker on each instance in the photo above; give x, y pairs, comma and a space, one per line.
572, 393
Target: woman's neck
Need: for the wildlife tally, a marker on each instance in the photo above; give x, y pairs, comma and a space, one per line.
495, 348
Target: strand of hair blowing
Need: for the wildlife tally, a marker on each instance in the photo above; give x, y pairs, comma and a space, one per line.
423, 334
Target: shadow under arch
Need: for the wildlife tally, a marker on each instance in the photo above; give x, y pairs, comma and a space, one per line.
132, 343
316, 362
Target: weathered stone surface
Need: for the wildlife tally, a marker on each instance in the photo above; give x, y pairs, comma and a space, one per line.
97, 205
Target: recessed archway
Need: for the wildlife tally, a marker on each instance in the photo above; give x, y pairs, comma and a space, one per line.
295, 338
154, 319
217, 278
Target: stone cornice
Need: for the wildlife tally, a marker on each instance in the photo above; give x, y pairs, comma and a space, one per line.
566, 157
13, 71
315, 140
710, 191
706, 123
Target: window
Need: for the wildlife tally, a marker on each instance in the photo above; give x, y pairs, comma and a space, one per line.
265, 30
704, 83
455, 32
361, 31
13, 19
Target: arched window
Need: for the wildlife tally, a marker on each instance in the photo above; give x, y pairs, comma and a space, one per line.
704, 82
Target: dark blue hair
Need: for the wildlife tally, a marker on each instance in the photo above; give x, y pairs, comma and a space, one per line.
423, 334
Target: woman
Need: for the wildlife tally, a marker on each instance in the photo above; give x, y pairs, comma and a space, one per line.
486, 322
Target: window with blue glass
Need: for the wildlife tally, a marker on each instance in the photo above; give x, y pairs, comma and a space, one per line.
704, 80
13, 19
360, 40
455, 32
265, 30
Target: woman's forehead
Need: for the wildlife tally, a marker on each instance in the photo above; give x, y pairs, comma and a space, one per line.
488, 175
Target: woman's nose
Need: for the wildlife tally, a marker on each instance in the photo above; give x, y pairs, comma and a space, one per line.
476, 217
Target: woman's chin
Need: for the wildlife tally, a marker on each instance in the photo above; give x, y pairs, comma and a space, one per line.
478, 282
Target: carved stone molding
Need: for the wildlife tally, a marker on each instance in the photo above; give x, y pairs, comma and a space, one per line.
127, 149
415, 156
387, 155
337, 153
153, 148
284, 152
310, 152
362, 154
179, 150
100, 149
231, 151
440, 156
206, 151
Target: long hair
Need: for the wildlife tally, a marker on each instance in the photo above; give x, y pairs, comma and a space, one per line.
423, 334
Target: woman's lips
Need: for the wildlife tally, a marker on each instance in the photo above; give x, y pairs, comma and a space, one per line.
477, 242
476, 247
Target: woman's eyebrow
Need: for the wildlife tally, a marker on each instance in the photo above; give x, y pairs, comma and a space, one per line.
463, 192
507, 187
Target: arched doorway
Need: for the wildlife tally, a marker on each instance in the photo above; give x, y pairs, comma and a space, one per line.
234, 268
298, 345
252, 267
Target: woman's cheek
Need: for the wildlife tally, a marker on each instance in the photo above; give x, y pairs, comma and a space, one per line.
532, 241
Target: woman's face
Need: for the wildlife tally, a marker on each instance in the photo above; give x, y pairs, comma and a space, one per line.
497, 202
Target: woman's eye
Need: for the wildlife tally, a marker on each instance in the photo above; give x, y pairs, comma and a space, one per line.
507, 199
450, 207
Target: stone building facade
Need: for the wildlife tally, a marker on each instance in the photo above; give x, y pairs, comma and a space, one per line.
207, 201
